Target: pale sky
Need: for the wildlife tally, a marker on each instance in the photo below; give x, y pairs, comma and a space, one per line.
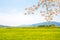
12, 13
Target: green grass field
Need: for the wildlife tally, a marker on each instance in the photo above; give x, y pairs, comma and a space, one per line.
29, 33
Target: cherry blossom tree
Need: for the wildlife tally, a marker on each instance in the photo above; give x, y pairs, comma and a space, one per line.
52, 7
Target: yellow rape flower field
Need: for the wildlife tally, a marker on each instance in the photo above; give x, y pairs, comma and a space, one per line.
30, 33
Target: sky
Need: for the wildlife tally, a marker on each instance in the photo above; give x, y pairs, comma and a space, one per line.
12, 13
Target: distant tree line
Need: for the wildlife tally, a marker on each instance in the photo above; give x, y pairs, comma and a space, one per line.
52, 25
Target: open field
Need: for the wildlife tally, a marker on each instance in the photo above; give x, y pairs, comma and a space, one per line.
29, 33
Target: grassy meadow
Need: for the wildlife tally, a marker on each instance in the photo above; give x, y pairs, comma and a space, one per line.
30, 33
